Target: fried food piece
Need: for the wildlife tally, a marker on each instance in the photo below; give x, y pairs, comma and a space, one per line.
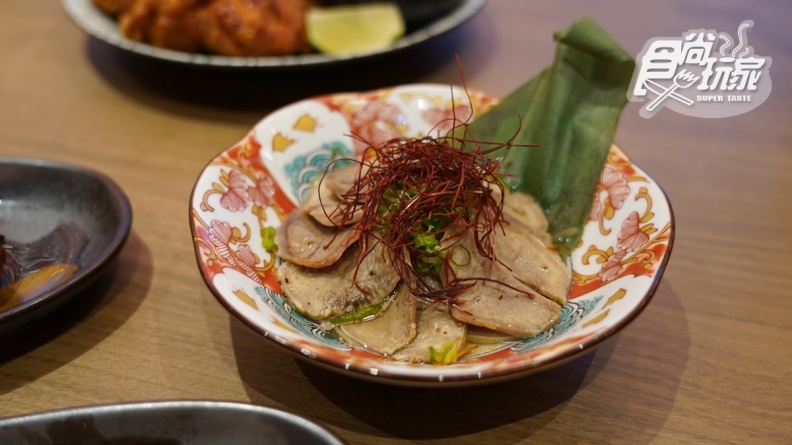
226, 27
168, 24
255, 27
113, 8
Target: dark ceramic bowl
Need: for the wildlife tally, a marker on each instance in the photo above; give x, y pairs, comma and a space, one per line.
414, 11
55, 214
165, 423
425, 19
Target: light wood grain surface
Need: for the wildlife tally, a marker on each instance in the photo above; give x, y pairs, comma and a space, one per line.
709, 360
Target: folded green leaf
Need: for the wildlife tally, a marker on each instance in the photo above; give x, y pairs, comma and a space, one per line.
571, 109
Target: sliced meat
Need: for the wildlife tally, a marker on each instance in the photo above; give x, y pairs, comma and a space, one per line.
330, 291
436, 327
389, 332
522, 261
341, 180
533, 264
304, 241
483, 336
500, 297
522, 211
514, 312
325, 195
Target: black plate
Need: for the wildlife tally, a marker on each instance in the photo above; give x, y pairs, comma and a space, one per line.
424, 23
55, 217
166, 423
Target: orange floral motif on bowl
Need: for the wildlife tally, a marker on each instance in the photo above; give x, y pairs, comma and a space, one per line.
244, 193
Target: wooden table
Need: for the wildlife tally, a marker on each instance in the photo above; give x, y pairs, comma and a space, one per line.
709, 361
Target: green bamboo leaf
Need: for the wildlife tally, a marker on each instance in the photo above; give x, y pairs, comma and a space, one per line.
571, 109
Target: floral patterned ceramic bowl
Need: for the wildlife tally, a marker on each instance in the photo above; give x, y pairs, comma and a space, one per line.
243, 194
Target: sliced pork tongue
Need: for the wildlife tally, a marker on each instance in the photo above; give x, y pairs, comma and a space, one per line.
326, 195
321, 293
533, 264
302, 240
391, 330
522, 210
513, 312
435, 329
520, 293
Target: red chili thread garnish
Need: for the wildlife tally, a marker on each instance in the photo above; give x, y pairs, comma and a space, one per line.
432, 179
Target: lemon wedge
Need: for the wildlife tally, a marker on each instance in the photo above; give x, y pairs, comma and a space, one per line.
354, 28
